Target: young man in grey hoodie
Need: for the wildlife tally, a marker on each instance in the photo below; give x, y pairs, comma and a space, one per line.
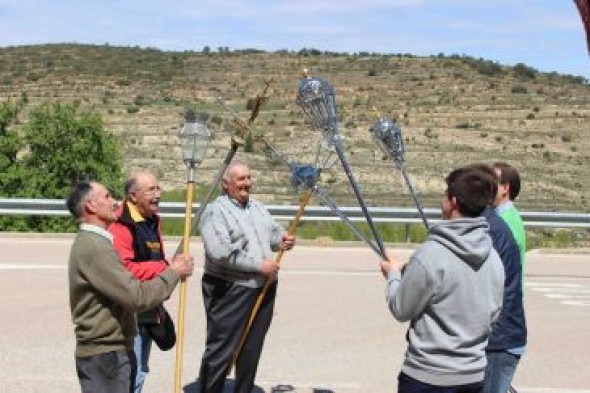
451, 291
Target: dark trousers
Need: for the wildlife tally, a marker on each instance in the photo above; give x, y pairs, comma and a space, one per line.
407, 384
111, 372
228, 307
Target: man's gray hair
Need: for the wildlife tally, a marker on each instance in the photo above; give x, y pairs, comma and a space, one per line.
129, 186
233, 163
81, 192
131, 182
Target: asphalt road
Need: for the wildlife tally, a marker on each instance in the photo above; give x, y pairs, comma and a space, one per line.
332, 331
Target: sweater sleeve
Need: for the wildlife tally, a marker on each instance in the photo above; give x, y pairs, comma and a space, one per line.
276, 230
509, 254
219, 247
123, 245
105, 272
408, 296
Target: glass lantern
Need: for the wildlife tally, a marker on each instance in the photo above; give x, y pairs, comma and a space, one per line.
195, 138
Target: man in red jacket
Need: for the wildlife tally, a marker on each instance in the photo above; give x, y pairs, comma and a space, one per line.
137, 238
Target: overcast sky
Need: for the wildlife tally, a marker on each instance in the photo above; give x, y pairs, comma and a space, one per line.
545, 34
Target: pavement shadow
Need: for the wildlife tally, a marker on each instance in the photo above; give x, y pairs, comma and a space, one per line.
291, 388
229, 387
194, 387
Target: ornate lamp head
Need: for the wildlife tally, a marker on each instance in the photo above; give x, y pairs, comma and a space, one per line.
388, 136
194, 137
303, 176
317, 99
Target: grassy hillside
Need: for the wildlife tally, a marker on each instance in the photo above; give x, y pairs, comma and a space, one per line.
452, 110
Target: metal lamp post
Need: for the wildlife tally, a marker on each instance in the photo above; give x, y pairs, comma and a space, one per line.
388, 136
194, 137
317, 99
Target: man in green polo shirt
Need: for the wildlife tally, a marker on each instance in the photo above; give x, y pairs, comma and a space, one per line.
508, 190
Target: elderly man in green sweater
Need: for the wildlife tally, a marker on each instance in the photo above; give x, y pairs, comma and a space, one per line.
104, 296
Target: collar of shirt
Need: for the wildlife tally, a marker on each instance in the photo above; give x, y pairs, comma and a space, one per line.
98, 230
238, 204
504, 206
133, 212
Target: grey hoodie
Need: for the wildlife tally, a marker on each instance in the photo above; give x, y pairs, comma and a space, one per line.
451, 291
237, 238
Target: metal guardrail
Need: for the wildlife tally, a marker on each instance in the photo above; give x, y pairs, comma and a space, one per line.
57, 207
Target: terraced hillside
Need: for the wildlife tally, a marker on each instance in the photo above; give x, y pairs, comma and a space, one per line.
452, 110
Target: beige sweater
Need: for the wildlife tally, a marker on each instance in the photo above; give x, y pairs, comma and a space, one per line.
104, 296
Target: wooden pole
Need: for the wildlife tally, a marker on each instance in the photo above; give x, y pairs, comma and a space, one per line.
305, 198
190, 185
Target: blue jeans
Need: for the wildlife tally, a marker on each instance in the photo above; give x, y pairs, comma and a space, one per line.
407, 384
500, 371
142, 345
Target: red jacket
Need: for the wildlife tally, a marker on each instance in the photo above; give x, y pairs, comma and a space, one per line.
130, 224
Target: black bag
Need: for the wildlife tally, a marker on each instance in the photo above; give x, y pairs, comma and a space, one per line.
162, 329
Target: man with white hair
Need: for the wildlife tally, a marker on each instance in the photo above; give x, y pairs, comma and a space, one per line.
239, 236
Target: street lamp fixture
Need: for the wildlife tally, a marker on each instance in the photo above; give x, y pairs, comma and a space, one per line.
317, 99
388, 136
194, 138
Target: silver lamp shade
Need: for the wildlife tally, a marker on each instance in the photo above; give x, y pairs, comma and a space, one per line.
388, 136
194, 138
317, 99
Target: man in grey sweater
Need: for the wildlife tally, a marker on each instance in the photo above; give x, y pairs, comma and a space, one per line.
239, 236
104, 295
451, 291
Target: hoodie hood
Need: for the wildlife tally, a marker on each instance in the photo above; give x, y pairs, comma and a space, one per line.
465, 237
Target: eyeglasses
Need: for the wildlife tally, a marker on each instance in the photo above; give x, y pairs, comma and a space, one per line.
150, 191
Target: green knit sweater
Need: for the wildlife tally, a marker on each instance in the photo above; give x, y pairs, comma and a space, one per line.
104, 296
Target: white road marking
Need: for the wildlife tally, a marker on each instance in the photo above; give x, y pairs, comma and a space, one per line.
566, 296
14, 266
551, 390
552, 284
575, 303
563, 290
